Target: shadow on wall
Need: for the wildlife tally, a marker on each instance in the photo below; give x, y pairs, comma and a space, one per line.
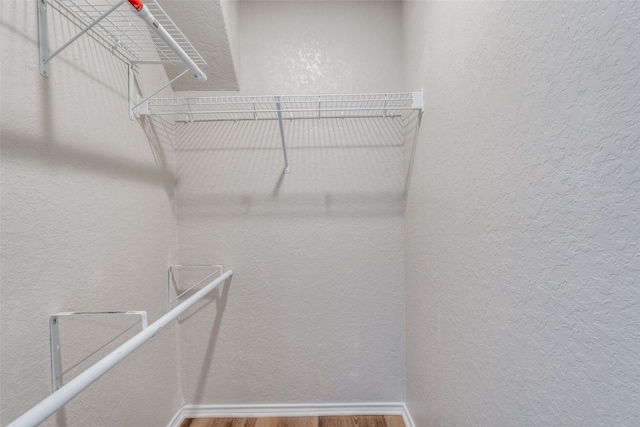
202, 319
299, 205
51, 152
160, 134
60, 120
410, 145
339, 167
98, 65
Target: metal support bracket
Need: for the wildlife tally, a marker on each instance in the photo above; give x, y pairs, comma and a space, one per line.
284, 146
418, 100
43, 38
139, 106
54, 331
177, 286
43, 35
131, 90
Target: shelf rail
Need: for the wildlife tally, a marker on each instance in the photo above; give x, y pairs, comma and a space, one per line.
284, 108
64, 394
268, 107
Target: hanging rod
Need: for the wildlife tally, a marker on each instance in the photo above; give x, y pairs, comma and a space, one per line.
143, 12
64, 394
131, 38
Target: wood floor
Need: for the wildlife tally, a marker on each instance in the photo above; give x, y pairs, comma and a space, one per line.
350, 421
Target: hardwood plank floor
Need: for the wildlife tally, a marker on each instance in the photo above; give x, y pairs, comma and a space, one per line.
219, 422
350, 421
394, 421
288, 422
355, 421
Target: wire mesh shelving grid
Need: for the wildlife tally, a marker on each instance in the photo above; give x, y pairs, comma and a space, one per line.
129, 34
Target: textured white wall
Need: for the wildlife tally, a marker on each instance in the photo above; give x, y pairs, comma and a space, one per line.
230, 10
88, 223
320, 46
209, 26
523, 218
315, 309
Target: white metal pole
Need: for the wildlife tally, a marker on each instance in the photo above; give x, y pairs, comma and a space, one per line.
143, 12
56, 400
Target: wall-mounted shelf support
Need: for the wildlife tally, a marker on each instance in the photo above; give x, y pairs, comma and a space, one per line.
284, 145
184, 279
152, 39
54, 331
43, 38
134, 100
43, 34
131, 89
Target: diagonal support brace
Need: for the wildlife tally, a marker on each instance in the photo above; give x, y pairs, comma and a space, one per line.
284, 146
43, 34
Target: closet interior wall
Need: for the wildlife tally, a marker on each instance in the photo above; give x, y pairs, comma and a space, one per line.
522, 221
518, 242
315, 311
88, 224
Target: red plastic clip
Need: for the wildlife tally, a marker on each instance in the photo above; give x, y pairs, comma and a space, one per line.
137, 5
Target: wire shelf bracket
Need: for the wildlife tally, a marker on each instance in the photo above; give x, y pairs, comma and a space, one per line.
183, 280
281, 126
152, 39
54, 331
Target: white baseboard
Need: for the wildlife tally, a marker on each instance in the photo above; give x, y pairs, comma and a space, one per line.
291, 410
177, 419
406, 416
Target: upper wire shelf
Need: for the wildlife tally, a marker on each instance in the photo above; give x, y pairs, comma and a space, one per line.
128, 33
288, 106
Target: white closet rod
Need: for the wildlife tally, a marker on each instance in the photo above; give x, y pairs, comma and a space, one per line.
58, 399
143, 12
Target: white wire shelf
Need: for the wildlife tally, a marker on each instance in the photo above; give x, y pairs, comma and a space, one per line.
123, 30
284, 107
289, 106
